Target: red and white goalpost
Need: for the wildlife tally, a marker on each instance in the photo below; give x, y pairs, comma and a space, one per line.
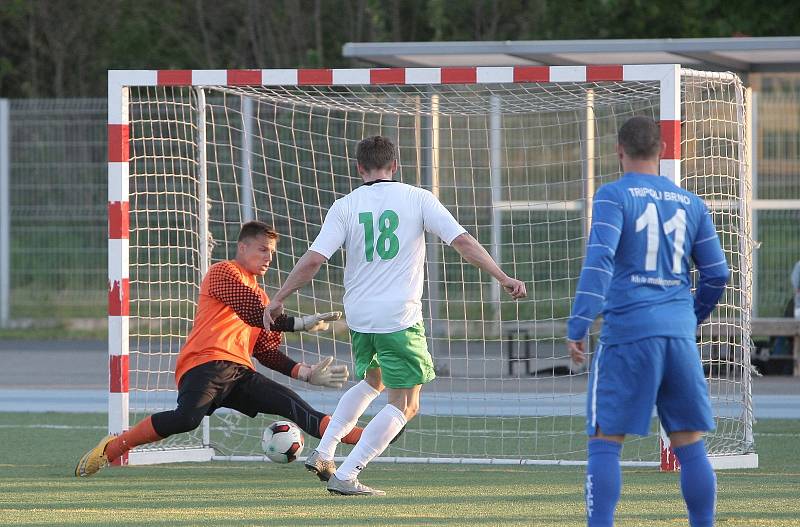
514, 152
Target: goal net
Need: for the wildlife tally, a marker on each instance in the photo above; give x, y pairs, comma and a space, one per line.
514, 153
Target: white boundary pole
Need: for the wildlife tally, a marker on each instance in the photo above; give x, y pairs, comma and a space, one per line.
202, 205
5, 214
247, 152
752, 143
495, 175
430, 178
744, 115
588, 161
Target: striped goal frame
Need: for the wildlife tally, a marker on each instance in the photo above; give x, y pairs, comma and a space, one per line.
668, 77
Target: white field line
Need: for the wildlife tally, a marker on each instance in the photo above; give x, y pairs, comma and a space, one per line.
429, 431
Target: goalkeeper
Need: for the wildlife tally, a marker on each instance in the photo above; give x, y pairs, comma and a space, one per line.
214, 368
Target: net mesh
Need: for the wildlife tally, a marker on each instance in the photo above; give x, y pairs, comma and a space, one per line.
514, 164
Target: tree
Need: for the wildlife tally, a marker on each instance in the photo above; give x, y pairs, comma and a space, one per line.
63, 48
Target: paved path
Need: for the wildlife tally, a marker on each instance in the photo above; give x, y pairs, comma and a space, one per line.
53, 364
471, 404
40, 376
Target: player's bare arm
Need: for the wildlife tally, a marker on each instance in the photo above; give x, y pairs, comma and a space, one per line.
303, 272
474, 253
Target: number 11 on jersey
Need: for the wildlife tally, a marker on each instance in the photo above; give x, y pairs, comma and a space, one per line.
676, 224
387, 244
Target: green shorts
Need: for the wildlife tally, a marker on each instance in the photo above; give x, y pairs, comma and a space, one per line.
402, 356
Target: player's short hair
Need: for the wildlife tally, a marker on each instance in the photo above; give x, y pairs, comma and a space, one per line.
640, 138
376, 152
252, 229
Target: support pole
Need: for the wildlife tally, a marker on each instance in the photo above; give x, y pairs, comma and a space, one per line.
430, 180
745, 132
204, 241
5, 215
495, 175
247, 197
588, 162
752, 143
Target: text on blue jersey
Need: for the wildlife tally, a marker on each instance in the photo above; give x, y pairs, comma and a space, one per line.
646, 231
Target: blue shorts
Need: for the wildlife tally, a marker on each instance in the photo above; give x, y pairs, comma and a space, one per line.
627, 380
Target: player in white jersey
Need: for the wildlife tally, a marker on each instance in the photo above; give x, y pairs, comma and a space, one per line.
381, 225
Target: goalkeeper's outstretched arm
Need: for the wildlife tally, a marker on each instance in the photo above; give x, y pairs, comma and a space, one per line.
323, 373
267, 352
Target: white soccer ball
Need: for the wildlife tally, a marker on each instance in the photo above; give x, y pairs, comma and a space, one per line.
282, 441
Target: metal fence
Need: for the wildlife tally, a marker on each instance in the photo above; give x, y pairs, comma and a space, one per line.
53, 207
776, 208
56, 210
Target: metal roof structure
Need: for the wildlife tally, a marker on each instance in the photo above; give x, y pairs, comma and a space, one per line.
739, 54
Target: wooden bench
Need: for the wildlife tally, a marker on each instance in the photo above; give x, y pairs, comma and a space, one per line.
761, 327
519, 345
780, 327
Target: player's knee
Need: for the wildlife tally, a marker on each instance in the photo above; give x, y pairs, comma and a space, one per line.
187, 421
679, 439
376, 385
408, 411
411, 409
599, 434
374, 379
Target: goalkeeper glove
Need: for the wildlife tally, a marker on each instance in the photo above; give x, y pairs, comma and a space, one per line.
316, 322
323, 374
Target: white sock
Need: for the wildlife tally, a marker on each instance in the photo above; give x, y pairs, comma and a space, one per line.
374, 440
352, 404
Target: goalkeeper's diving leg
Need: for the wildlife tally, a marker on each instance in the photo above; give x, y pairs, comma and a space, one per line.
251, 393
193, 405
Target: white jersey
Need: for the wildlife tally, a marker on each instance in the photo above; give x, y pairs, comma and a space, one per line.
382, 228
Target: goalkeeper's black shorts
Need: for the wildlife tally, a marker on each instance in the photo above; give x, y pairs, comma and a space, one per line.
223, 384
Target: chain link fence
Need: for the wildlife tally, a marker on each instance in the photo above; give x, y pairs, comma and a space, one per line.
57, 202
776, 213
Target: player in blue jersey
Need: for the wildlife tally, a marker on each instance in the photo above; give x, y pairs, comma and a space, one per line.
646, 233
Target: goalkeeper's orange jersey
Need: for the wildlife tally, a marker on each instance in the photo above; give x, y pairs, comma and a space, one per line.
228, 320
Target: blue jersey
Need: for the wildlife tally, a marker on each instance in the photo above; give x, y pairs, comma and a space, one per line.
646, 233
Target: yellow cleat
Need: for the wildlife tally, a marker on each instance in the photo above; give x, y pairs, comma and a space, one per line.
95, 459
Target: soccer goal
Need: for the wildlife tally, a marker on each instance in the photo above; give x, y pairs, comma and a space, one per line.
515, 153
